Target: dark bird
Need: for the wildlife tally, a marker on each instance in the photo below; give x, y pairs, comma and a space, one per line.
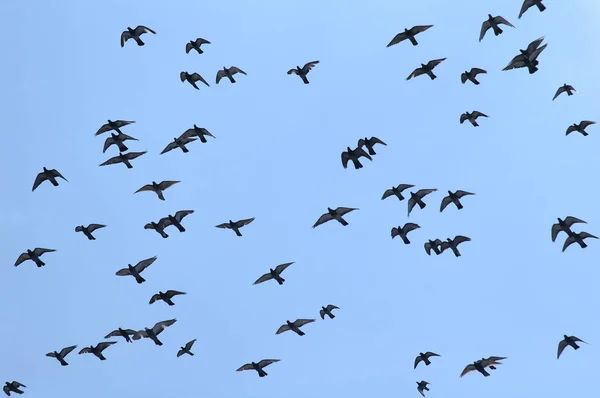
565, 226
425, 358
125, 333
568, 341
153, 333
228, 73
528, 57
192, 79
186, 349
294, 326
116, 125
481, 364
13, 386
159, 227
137, 270
123, 158
354, 155
175, 220
417, 198
403, 231
165, 296
50, 175
135, 34
327, 311
472, 117
195, 45
258, 366
178, 143
578, 237
452, 244
274, 274
493, 22
335, 215
117, 139
60, 356
33, 255
396, 191
471, 75
235, 226
370, 143
530, 3
454, 198
580, 128
199, 132
422, 385
433, 245
302, 72
97, 350
426, 69
409, 34
157, 188
87, 231
565, 88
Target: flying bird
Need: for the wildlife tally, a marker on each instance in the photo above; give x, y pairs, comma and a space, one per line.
354, 155
33, 255
302, 72
97, 350
327, 311
424, 358
49, 175
335, 215
471, 75
417, 198
258, 366
175, 220
409, 34
369, 143
493, 22
472, 117
195, 45
157, 188
580, 128
433, 245
124, 158
178, 143
274, 274
568, 341
137, 270
528, 57
60, 356
565, 226
565, 88
452, 244
186, 349
228, 73
166, 296
294, 326
235, 226
578, 237
199, 132
426, 69
159, 227
153, 333
116, 125
13, 386
125, 333
117, 139
403, 231
422, 385
87, 231
135, 34
527, 4
192, 79
396, 191
454, 197
481, 364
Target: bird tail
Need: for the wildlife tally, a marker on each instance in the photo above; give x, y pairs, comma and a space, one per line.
497, 30
304, 79
405, 240
427, 361
280, 280
475, 82
421, 204
139, 279
540, 6
474, 123
459, 205
160, 195
432, 75
139, 41
413, 40
129, 166
532, 69
184, 149
164, 234
63, 362
331, 316
191, 353
122, 147
343, 222
372, 151
584, 133
237, 232
575, 346
456, 252
180, 228
54, 182
231, 79
301, 333
39, 263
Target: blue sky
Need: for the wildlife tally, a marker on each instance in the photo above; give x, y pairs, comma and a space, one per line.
276, 157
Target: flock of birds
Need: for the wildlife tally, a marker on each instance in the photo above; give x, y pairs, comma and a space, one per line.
527, 58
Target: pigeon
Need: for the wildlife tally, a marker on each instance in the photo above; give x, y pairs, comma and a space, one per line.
426, 69
13, 386
117, 139
235, 226
327, 311
258, 366
471, 75
422, 385
137, 270
334, 215
578, 237
153, 333
425, 358
580, 128
369, 143
302, 72
274, 274
565, 88
157, 188
528, 57
165, 296
199, 132
125, 333
228, 73
50, 175
116, 125
530, 3
409, 34
159, 227
178, 143
124, 158
472, 117
564, 226
135, 34
97, 350
481, 364
192, 79
452, 244
175, 220
195, 45
87, 231
568, 341
60, 356
33, 255
433, 245
454, 198
186, 349
294, 326
417, 198
396, 191
493, 22
402, 231
354, 155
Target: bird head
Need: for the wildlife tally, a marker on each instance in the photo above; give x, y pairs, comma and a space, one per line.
490, 16
120, 155
114, 135
271, 269
329, 209
348, 149
231, 222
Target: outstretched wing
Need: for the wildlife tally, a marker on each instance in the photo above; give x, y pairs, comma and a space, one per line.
561, 347
105, 344
147, 187
568, 242
124, 37
181, 214
55, 173
459, 193
141, 29
435, 62
220, 75
154, 298
247, 366
308, 66
281, 267
225, 225
123, 272
22, 257
332, 307
525, 7
165, 184
160, 326
282, 328
65, 351
85, 350
38, 251
263, 278
173, 293
375, 140
467, 369
586, 123
556, 228
458, 239
419, 28
113, 160
266, 362
445, 202
476, 71
409, 226
397, 39
196, 77
501, 20
302, 322
234, 69
560, 90
345, 210
570, 220
417, 72
345, 159
189, 344
484, 28
323, 219
245, 221
93, 227
41, 177
142, 265
477, 114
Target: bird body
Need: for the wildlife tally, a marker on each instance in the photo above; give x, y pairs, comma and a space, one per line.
235, 226
472, 117
334, 215
47, 175
135, 34
228, 73
403, 231
527, 4
327, 311
195, 45
186, 349
302, 72
570, 341
33, 255
494, 23
409, 34
565, 88
258, 367
274, 274
87, 231
137, 270
426, 69
580, 127
157, 188
452, 244
471, 75
192, 79
424, 357
60, 356
354, 155
416, 198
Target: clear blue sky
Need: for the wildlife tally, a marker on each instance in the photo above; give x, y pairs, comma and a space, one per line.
276, 157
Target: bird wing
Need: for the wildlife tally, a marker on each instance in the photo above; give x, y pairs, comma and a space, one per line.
395, 232
41, 177
85, 350
302, 322
568, 242
123, 272
477, 71
281, 267
181, 352
361, 142
22, 257
56, 173
525, 7
445, 202
463, 117
387, 194
561, 347
142, 265
421, 193
431, 354
263, 278
65, 351
246, 221
160, 326
585, 123
282, 328
147, 187
417, 360
164, 222
484, 28
428, 247
321, 312
292, 71
189, 344
141, 29
560, 90
113, 160
182, 213
247, 366
133, 155
124, 37
410, 226
93, 227
182, 76
200, 41
375, 140
417, 72
149, 226
234, 69
308, 66
359, 152
577, 339
570, 129
570, 220
165, 184
114, 333
188, 48
105, 344
125, 137
477, 114
345, 210
556, 228
458, 239
467, 369
139, 334
109, 141
419, 28
397, 39
534, 44
435, 62
517, 62
173, 293
225, 225
38, 251
196, 77
154, 298
323, 219
584, 235
345, 159
220, 75
501, 20
460, 193
411, 204
536, 53
402, 187
332, 307
463, 78
266, 362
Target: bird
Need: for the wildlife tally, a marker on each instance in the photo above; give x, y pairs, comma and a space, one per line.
153, 333
302, 72
135, 34
452, 244
159, 227
454, 197
235, 226
422, 385
13, 386
425, 358
564, 226
166, 296
471, 75
274, 274
472, 117
124, 158
199, 132
565, 88
369, 143
481, 364
33, 255
402, 231
158, 188
178, 143
528, 57
97, 350
578, 237
396, 191
192, 79
433, 245
50, 175
426, 69
354, 155
136, 270
175, 220
195, 45
294, 326
258, 366
493, 22
568, 341
530, 3
417, 198
186, 349
228, 73
113, 125
327, 311
125, 333
580, 127
60, 356
409, 34
117, 139
335, 215
87, 231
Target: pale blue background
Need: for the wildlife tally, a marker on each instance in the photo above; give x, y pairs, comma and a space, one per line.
277, 158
